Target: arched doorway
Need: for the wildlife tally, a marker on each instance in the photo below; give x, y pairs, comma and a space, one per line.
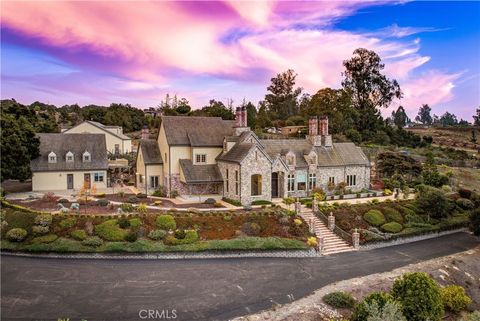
256, 185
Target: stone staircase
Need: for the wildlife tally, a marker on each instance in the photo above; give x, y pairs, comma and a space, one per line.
332, 242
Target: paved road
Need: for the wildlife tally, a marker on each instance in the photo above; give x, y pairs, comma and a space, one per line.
48, 289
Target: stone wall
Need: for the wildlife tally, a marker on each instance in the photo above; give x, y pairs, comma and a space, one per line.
193, 189
255, 163
230, 191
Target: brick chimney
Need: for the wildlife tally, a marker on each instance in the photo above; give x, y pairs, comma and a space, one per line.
238, 117
240, 121
244, 116
145, 133
313, 126
326, 138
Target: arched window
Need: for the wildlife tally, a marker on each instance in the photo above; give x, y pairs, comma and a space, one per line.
87, 157
256, 184
69, 157
52, 157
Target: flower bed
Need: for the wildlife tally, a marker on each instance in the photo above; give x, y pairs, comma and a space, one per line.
267, 229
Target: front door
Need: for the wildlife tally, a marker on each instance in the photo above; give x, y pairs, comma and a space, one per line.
86, 180
274, 185
69, 181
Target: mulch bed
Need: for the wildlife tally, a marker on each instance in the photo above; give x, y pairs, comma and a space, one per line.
150, 201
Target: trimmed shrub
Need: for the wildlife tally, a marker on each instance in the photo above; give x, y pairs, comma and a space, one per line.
361, 313
407, 211
110, 231
392, 227
157, 234
420, 297
180, 234
100, 195
45, 239
16, 234
446, 188
62, 201
141, 195
127, 207
132, 199
68, 223
210, 201
92, 241
43, 219
123, 222
166, 222
339, 300
392, 215
233, 202
433, 202
391, 311
251, 228
465, 193
191, 236
261, 202
170, 240
79, 235
374, 217
40, 230
131, 236
454, 298
142, 208
135, 222
103, 202
465, 204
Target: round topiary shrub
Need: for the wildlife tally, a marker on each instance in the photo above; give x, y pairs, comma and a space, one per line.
16, 234
465, 204
126, 207
374, 217
180, 234
43, 219
45, 239
141, 195
157, 234
79, 235
132, 199
420, 297
392, 215
454, 298
62, 201
361, 312
123, 222
135, 222
68, 223
132, 236
40, 230
392, 227
103, 202
166, 222
110, 231
339, 300
210, 201
251, 228
170, 240
93, 241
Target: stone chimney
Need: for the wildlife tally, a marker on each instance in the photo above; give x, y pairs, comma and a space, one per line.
238, 117
244, 116
145, 133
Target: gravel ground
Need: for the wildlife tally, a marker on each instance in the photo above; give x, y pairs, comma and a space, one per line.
460, 269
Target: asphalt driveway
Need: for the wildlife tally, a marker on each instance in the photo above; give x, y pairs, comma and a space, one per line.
214, 289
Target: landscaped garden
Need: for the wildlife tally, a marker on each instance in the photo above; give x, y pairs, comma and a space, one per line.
141, 230
433, 210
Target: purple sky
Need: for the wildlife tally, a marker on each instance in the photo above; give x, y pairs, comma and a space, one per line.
137, 52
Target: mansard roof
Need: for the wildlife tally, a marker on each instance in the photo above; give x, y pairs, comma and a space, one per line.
61, 144
196, 131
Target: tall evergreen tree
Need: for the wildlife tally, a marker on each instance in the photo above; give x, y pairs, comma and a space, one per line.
400, 117
424, 115
282, 101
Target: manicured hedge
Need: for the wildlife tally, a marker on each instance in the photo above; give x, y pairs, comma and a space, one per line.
374, 217
339, 300
110, 231
45, 239
392, 227
166, 222
392, 215
78, 235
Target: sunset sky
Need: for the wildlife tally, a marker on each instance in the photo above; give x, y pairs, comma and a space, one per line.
136, 52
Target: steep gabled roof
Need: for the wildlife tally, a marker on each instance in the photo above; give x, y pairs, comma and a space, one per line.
196, 131
61, 144
200, 174
150, 152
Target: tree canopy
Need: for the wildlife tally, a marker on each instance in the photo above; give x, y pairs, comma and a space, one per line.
424, 116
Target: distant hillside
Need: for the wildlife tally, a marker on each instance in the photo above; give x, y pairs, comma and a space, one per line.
456, 137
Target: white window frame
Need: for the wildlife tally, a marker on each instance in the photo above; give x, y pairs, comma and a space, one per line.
99, 177
85, 156
152, 183
200, 158
291, 183
312, 181
237, 183
52, 157
68, 155
351, 180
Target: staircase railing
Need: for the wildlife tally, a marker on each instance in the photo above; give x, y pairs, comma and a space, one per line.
347, 237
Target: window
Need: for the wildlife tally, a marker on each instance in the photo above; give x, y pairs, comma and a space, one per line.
331, 180
154, 181
291, 160
351, 180
52, 157
69, 157
291, 182
86, 157
200, 158
301, 181
236, 183
256, 185
227, 183
312, 181
117, 149
98, 177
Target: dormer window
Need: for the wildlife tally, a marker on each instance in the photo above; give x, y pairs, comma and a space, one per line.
69, 157
52, 157
290, 157
87, 157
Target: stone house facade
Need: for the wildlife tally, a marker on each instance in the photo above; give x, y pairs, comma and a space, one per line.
208, 155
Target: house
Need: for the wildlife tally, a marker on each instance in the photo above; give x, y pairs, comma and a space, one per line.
70, 161
117, 142
208, 155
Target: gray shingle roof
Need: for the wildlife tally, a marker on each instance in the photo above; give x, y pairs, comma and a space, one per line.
237, 153
339, 155
197, 174
61, 144
196, 131
150, 152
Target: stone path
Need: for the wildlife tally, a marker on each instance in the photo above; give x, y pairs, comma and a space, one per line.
332, 242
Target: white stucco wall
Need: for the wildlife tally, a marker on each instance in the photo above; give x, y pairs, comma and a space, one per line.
124, 145
56, 181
